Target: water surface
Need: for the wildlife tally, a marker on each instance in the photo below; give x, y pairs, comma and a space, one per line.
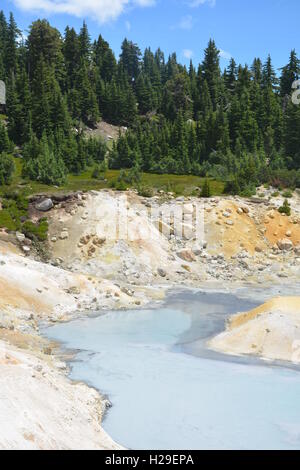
169, 392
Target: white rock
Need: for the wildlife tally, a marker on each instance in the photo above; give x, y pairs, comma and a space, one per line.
64, 235
20, 237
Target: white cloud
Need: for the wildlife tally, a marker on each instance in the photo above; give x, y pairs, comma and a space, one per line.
225, 55
186, 22
187, 53
101, 10
197, 3
128, 25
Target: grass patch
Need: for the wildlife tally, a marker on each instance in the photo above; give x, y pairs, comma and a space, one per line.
6, 220
39, 231
179, 184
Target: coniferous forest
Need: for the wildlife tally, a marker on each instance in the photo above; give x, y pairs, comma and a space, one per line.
238, 125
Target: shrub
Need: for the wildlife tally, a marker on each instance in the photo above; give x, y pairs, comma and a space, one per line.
232, 187
6, 220
287, 194
285, 208
39, 231
206, 191
7, 167
97, 173
145, 191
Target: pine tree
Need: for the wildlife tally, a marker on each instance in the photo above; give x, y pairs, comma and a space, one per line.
206, 191
10, 54
290, 73
211, 71
130, 59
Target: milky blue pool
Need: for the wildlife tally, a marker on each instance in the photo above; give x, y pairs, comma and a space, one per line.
169, 392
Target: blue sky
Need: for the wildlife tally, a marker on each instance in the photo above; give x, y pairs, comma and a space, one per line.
241, 28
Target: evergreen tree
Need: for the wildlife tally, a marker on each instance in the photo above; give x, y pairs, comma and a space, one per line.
290, 73
211, 71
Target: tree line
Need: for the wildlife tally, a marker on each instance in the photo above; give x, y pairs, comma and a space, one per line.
239, 124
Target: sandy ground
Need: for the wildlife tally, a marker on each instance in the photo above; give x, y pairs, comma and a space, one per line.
271, 331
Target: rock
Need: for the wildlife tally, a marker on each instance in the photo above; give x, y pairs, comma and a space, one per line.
26, 249
161, 272
99, 241
226, 214
297, 250
229, 222
285, 244
44, 205
246, 210
288, 233
20, 237
258, 249
187, 255
127, 291
240, 211
64, 235
91, 251
54, 239
74, 290
272, 215
47, 351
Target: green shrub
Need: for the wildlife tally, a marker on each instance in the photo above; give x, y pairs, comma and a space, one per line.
39, 231
232, 187
248, 191
6, 220
288, 194
7, 167
275, 194
285, 208
206, 191
145, 191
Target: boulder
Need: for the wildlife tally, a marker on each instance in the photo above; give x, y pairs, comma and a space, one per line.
285, 244
20, 237
44, 205
297, 250
162, 272
187, 255
64, 235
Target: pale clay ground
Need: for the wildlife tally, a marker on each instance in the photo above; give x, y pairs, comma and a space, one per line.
95, 266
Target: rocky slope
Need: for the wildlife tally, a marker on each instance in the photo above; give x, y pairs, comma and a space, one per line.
41, 409
240, 240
